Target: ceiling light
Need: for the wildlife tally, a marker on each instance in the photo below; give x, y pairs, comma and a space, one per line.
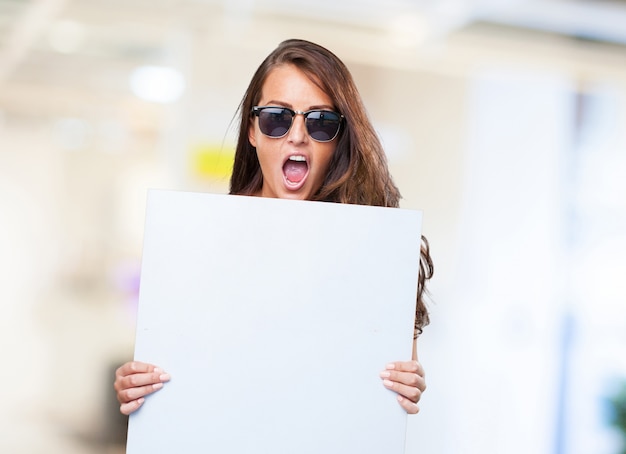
157, 84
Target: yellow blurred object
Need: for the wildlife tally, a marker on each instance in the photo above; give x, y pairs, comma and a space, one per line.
212, 161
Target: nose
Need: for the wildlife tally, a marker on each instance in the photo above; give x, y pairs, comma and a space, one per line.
298, 132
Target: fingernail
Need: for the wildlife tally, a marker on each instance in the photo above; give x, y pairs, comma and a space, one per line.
400, 398
391, 366
157, 386
164, 377
157, 369
388, 383
140, 400
385, 374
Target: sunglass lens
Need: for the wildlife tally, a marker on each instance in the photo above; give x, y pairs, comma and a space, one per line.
275, 122
323, 126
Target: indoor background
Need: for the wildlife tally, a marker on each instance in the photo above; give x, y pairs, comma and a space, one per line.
505, 122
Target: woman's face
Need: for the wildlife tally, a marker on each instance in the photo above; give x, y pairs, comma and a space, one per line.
293, 166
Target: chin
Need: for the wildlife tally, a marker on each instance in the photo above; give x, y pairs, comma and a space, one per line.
295, 195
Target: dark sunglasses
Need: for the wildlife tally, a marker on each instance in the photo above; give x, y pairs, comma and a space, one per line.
322, 125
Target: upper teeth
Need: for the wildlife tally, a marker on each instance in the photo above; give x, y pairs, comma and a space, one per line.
297, 158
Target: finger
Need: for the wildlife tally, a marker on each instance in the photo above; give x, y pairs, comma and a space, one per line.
134, 367
406, 378
410, 407
135, 380
132, 394
130, 407
139, 379
406, 366
410, 392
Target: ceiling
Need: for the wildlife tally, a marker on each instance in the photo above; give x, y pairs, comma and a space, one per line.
57, 56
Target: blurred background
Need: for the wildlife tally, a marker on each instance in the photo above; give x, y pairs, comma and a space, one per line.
505, 122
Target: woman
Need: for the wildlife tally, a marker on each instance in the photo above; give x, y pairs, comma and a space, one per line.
304, 134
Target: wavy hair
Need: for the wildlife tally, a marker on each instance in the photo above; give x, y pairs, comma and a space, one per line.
358, 171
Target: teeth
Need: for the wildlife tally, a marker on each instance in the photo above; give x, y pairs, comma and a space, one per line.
297, 158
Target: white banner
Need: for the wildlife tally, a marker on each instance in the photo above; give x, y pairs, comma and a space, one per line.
273, 318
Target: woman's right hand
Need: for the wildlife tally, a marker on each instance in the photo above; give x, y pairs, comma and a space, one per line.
133, 381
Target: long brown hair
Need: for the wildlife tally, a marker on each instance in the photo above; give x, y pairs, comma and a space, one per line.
358, 171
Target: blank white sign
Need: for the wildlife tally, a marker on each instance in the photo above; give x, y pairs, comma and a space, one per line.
274, 319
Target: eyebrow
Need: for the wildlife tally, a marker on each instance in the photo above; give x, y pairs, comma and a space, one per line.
286, 104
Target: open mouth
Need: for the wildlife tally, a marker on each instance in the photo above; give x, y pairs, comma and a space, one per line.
295, 170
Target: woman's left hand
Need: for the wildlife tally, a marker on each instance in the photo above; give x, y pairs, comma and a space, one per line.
406, 378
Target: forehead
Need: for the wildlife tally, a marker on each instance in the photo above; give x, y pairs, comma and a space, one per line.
290, 85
